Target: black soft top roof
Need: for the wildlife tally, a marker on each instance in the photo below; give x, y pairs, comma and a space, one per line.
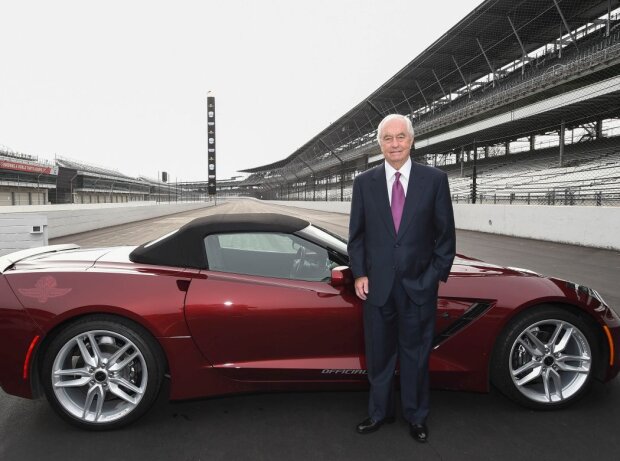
185, 247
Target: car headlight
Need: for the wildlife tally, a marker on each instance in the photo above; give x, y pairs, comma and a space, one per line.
608, 312
581, 290
596, 295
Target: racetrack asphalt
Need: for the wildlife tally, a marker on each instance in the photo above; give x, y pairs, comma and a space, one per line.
320, 425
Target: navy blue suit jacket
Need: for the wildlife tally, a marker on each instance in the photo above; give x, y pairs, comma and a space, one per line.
422, 252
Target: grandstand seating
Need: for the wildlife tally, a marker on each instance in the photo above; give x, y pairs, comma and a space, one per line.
590, 175
545, 71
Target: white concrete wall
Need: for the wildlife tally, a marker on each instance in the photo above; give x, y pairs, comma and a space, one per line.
335, 207
72, 219
591, 226
597, 227
19, 232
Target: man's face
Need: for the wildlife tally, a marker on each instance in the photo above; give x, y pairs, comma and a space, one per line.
395, 142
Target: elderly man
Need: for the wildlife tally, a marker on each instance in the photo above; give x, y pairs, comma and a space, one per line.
401, 244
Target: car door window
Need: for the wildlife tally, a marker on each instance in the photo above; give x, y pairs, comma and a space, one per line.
268, 254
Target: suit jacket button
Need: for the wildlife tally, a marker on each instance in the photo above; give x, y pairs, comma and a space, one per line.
396, 245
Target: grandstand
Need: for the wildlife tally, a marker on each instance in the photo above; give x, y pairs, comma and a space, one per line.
25, 179
481, 99
230, 187
83, 183
590, 176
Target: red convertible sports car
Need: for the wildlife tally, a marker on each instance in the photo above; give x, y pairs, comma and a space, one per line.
257, 302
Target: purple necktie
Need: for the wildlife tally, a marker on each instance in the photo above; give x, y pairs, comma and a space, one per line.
398, 201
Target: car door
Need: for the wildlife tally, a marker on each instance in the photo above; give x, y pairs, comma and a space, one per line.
267, 311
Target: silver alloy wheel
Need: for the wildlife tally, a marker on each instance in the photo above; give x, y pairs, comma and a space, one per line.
99, 376
550, 361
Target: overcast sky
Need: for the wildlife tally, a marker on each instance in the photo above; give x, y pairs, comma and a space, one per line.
123, 84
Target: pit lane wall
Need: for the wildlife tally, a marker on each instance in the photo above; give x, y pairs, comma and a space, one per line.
31, 226
590, 226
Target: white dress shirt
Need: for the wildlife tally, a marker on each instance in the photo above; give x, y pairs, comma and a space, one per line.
390, 176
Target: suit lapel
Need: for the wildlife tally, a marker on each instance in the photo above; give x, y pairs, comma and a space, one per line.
415, 190
382, 200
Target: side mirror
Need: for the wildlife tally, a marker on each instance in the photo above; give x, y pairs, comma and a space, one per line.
341, 275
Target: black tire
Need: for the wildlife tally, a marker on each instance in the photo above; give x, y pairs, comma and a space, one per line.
116, 384
549, 379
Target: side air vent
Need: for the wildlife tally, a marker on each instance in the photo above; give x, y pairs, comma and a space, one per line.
474, 311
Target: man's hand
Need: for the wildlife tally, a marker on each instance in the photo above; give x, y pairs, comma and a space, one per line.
361, 287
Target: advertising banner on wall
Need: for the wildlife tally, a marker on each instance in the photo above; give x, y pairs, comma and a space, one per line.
26, 167
211, 185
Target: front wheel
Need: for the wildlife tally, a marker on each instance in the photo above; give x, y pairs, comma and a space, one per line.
545, 359
102, 372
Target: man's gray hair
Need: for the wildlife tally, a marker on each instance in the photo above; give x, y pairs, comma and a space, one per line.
393, 117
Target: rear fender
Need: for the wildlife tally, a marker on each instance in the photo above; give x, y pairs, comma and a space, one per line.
8, 260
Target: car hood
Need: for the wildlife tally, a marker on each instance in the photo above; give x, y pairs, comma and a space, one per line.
466, 266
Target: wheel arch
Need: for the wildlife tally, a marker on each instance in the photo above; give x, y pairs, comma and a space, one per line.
583, 314
36, 362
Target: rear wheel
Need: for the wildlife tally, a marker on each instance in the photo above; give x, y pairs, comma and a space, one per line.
102, 372
545, 359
